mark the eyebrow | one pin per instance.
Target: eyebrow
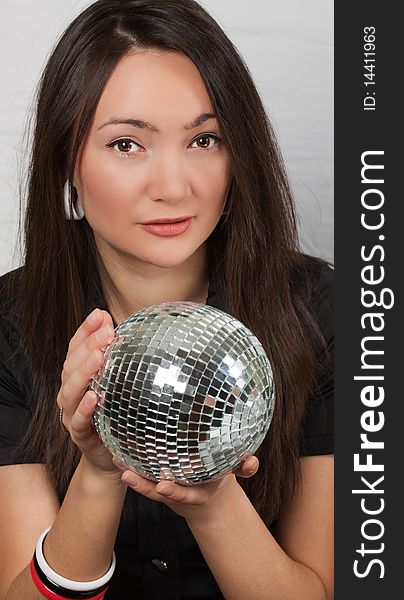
(140, 124)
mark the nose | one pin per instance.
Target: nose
(169, 179)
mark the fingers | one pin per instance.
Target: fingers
(81, 348)
(81, 421)
(138, 483)
(75, 385)
(248, 467)
(195, 496)
(163, 490)
(83, 360)
(85, 351)
(95, 320)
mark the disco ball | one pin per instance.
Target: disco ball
(185, 393)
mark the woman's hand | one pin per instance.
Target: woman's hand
(194, 503)
(84, 357)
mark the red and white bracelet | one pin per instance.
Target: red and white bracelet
(55, 587)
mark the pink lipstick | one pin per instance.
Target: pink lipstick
(168, 227)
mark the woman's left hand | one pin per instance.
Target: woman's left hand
(191, 502)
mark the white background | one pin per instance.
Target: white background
(288, 47)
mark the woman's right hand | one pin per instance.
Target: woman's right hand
(84, 357)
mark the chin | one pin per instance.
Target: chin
(167, 261)
(162, 256)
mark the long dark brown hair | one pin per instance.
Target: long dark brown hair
(268, 280)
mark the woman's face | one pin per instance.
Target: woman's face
(166, 161)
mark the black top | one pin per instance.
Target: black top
(157, 556)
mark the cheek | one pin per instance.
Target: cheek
(211, 172)
(213, 185)
(105, 188)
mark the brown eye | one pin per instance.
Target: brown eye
(203, 141)
(123, 145)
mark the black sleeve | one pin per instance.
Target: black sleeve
(14, 413)
(318, 424)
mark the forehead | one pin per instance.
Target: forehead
(161, 87)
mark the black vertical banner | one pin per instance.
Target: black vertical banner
(369, 163)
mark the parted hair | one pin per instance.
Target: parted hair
(268, 280)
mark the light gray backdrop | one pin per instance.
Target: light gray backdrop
(288, 47)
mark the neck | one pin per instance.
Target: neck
(130, 286)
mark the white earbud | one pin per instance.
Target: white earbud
(76, 211)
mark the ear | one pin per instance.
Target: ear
(76, 179)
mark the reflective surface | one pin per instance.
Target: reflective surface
(185, 393)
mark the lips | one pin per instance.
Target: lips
(167, 220)
(168, 228)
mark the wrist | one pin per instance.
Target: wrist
(54, 586)
(88, 519)
(97, 479)
(219, 507)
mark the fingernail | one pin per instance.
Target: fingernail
(90, 398)
(168, 492)
(104, 333)
(131, 479)
(93, 360)
(93, 316)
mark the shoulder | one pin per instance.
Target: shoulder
(318, 298)
(322, 300)
(15, 378)
(11, 356)
(323, 289)
(10, 297)
(10, 293)
(314, 288)
(315, 278)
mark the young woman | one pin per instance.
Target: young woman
(147, 113)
